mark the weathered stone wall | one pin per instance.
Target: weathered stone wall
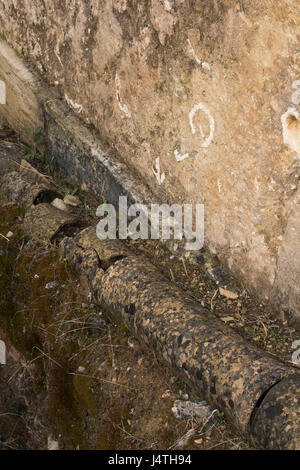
(201, 98)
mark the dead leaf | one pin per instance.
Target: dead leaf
(226, 319)
(228, 293)
(198, 441)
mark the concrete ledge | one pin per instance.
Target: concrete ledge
(80, 156)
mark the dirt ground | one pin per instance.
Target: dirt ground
(74, 378)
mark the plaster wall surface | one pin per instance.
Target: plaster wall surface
(201, 98)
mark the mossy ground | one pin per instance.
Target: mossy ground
(98, 393)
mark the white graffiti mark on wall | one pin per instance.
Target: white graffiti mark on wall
(56, 52)
(123, 107)
(156, 171)
(291, 129)
(192, 51)
(296, 95)
(180, 157)
(207, 140)
(291, 121)
(2, 92)
(204, 65)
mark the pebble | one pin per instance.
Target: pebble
(52, 444)
(202, 410)
(183, 395)
(59, 204)
(51, 285)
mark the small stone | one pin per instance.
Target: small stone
(52, 444)
(200, 410)
(183, 395)
(228, 294)
(59, 204)
(175, 412)
(51, 285)
(9, 234)
(71, 200)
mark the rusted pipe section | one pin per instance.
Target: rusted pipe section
(258, 393)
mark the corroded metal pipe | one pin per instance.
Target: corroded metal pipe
(228, 372)
(258, 393)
